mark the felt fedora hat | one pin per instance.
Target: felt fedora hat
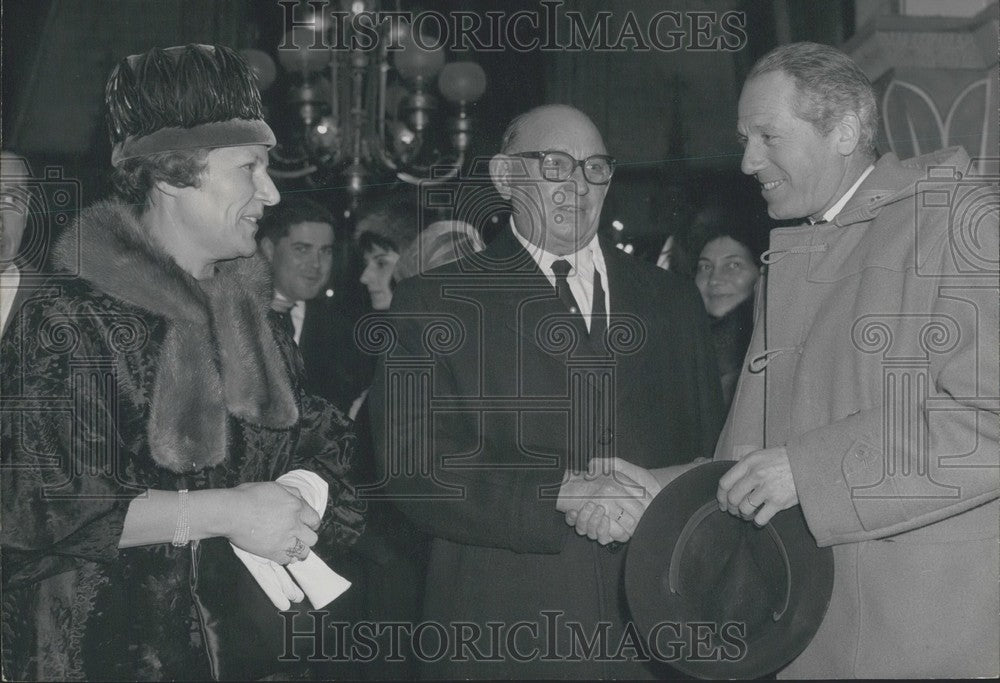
(716, 596)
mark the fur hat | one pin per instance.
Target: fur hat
(184, 97)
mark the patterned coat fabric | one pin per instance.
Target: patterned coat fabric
(83, 388)
(875, 364)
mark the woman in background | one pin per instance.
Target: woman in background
(382, 235)
(394, 248)
(726, 274)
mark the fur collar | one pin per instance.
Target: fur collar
(218, 356)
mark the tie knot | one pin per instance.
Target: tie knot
(561, 268)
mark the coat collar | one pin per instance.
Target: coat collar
(833, 248)
(894, 180)
(218, 356)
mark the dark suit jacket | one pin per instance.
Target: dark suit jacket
(481, 405)
(335, 368)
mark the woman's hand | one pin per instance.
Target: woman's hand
(272, 521)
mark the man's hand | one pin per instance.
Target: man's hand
(616, 500)
(653, 481)
(600, 520)
(758, 486)
(629, 474)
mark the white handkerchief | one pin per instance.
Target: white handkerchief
(320, 583)
(313, 488)
(272, 577)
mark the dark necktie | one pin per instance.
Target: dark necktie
(598, 313)
(561, 268)
(598, 322)
(286, 322)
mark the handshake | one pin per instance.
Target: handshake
(606, 502)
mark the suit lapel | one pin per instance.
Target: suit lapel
(536, 299)
(309, 321)
(539, 306)
(622, 288)
(629, 306)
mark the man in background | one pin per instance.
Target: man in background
(297, 238)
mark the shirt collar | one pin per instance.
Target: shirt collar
(583, 262)
(832, 212)
(10, 279)
(283, 304)
(11, 272)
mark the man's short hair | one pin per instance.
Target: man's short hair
(829, 83)
(277, 219)
(512, 131)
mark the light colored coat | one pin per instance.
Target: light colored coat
(874, 361)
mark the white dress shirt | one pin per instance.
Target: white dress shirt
(832, 212)
(297, 310)
(10, 278)
(581, 275)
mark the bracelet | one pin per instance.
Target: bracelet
(182, 532)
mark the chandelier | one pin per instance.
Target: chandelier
(363, 102)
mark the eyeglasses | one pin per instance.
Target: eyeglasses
(557, 167)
